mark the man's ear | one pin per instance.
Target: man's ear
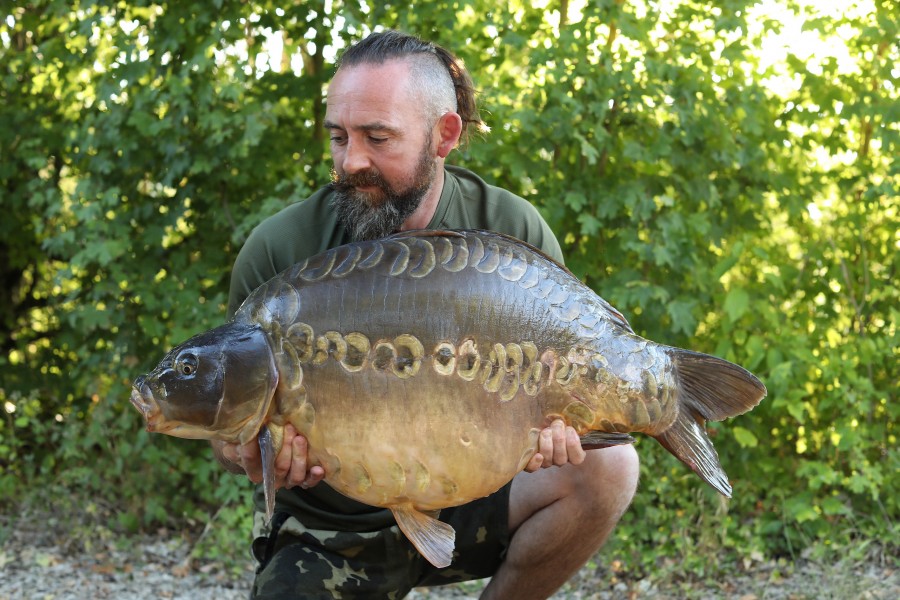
(449, 128)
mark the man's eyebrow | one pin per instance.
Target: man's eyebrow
(367, 127)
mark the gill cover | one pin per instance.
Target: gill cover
(218, 384)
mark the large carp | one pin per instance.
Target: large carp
(422, 367)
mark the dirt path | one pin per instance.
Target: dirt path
(157, 567)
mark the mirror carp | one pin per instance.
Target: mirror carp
(422, 367)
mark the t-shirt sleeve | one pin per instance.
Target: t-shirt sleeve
(253, 267)
(295, 233)
(480, 205)
(517, 217)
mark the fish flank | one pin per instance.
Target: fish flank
(476, 253)
(458, 258)
(505, 369)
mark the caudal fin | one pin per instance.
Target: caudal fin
(710, 389)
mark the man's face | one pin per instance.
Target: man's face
(384, 159)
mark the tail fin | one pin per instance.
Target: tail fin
(710, 389)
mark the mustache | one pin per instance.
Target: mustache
(346, 182)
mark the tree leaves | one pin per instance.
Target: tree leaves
(744, 437)
(737, 301)
(725, 198)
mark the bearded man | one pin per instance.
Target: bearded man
(397, 106)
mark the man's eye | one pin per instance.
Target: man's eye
(377, 140)
(336, 139)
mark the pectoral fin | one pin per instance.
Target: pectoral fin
(604, 439)
(267, 453)
(432, 538)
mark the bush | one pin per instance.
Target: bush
(724, 200)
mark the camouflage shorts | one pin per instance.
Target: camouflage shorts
(307, 563)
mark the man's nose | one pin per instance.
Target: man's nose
(356, 158)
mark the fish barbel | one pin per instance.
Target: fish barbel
(422, 367)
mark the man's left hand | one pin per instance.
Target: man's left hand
(557, 445)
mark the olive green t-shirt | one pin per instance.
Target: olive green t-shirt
(309, 227)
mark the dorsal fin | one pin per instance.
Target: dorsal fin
(432, 538)
(425, 233)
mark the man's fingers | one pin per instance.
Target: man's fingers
(290, 462)
(560, 451)
(316, 474)
(536, 462)
(297, 473)
(574, 450)
(284, 460)
(545, 447)
(558, 445)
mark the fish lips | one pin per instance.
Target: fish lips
(143, 400)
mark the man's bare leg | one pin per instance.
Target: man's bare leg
(559, 518)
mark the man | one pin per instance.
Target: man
(396, 108)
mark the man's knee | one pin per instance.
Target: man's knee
(612, 476)
(621, 464)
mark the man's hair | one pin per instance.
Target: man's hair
(437, 76)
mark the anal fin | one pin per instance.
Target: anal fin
(433, 539)
(604, 439)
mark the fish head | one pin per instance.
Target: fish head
(217, 385)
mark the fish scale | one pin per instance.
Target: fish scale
(422, 367)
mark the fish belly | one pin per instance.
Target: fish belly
(436, 442)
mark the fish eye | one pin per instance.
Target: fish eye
(186, 365)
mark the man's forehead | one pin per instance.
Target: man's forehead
(375, 86)
(398, 69)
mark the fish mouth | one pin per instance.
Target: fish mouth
(143, 400)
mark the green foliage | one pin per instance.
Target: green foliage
(225, 531)
(727, 194)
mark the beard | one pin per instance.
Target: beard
(378, 214)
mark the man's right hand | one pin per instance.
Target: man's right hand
(290, 465)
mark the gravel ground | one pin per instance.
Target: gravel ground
(142, 568)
